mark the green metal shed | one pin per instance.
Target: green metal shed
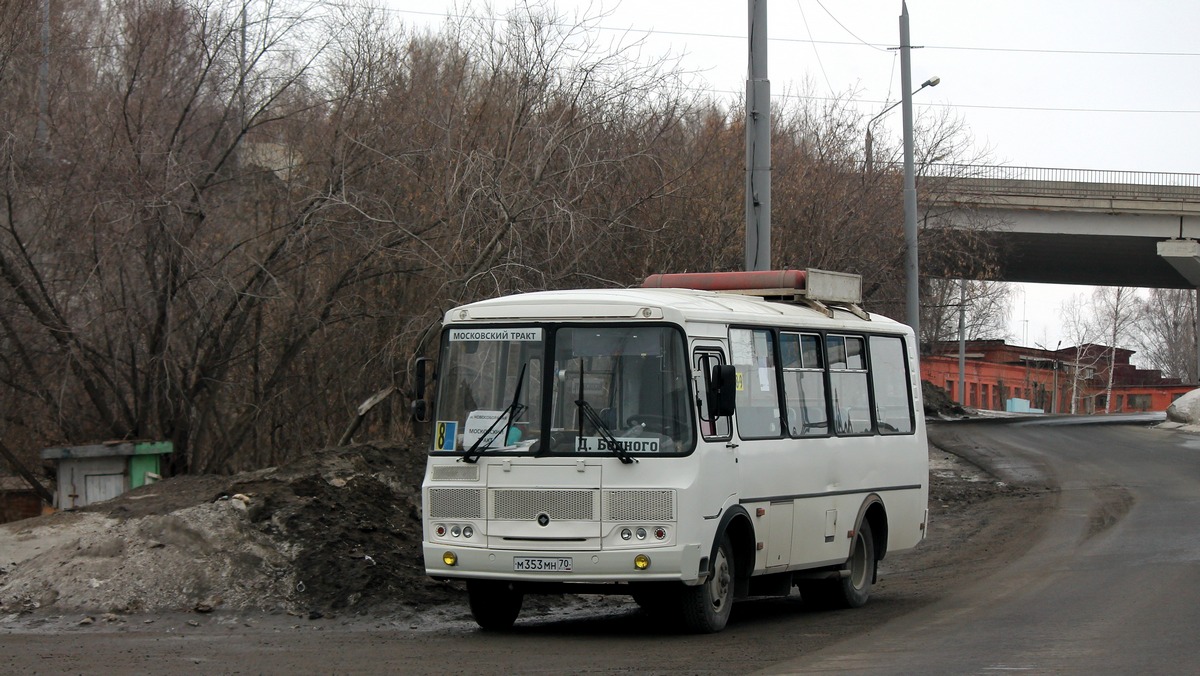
(96, 472)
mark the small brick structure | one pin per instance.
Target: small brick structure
(18, 500)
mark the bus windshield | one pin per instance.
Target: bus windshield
(613, 390)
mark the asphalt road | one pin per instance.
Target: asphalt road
(1092, 569)
(1111, 583)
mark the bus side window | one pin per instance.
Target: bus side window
(889, 378)
(752, 351)
(848, 384)
(714, 428)
(804, 384)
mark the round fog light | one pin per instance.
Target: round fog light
(450, 558)
(626, 534)
(641, 562)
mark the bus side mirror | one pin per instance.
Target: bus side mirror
(420, 407)
(722, 391)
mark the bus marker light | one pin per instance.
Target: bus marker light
(440, 530)
(641, 562)
(450, 558)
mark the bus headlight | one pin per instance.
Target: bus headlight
(626, 534)
(641, 562)
(450, 558)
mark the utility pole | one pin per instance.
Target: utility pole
(42, 134)
(758, 144)
(911, 277)
(962, 341)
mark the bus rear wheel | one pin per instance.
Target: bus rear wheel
(494, 605)
(705, 608)
(853, 587)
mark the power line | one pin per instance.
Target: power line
(1046, 109)
(816, 53)
(858, 43)
(843, 26)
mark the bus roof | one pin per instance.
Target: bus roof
(662, 304)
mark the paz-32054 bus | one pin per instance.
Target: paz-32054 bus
(701, 439)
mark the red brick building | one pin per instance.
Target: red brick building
(1003, 377)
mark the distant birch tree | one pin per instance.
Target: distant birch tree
(1080, 330)
(1116, 308)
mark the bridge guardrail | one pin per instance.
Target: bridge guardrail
(1058, 182)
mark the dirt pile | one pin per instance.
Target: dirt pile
(938, 402)
(338, 531)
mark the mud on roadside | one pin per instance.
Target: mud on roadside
(334, 535)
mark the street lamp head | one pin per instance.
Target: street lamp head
(932, 82)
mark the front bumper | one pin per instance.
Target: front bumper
(679, 564)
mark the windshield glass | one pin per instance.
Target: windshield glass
(605, 386)
(480, 404)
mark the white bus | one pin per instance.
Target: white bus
(734, 436)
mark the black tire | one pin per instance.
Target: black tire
(705, 609)
(494, 605)
(657, 600)
(856, 587)
(853, 589)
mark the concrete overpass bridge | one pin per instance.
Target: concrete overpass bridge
(1077, 226)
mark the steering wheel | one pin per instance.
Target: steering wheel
(652, 422)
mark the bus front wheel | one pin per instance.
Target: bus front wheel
(706, 607)
(494, 605)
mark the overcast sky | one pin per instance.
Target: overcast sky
(1079, 84)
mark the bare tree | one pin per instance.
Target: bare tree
(1165, 332)
(985, 307)
(252, 216)
(1116, 310)
(134, 287)
(1081, 331)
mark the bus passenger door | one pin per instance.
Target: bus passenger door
(717, 481)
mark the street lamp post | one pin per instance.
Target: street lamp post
(870, 141)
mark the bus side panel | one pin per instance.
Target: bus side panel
(825, 481)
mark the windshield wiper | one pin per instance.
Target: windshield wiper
(511, 411)
(602, 429)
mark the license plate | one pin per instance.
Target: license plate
(539, 564)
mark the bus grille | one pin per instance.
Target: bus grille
(567, 505)
(455, 473)
(455, 503)
(639, 505)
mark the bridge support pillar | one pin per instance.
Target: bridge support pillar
(1184, 256)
